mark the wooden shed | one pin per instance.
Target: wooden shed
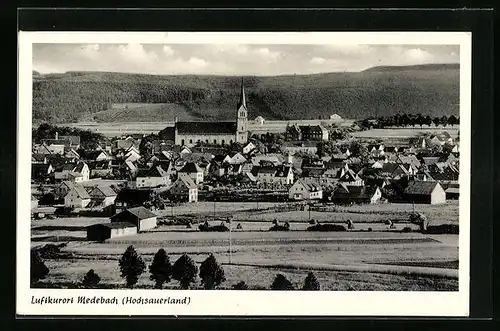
(101, 232)
(141, 217)
(424, 192)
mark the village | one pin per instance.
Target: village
(222, 175)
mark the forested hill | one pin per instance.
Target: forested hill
(424, 89)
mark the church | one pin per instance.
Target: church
(190, 133)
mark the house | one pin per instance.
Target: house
(132, 197)
(132, 155)
(101, 232)
(38, 158)
(409, 159)
(259, 120)
(305, 190)
(307, 147)
(452, 191)
(347, 194)
(284, 175)
(313, 133)
(395, 170)
(142, 218)
(349, 177)
(71, 155)
(77, 197)
(185, 188)
(74, 141)
(274, 158)
(192, 170)
(126, 143)
(102, 196)
(79, 171)
(335, 117)
(424, 192)
(264, 174)
(95, 155)
(153, 177)
(293, 133)
(250, 146)
(237, 158)
(41, 171)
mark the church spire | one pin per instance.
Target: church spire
(242, 101)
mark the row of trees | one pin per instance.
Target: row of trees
(403, 120)
(88, 139)
(162, 271)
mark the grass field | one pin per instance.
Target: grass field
(145, 113)
(388, 259)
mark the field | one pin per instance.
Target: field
(382, 259)
(159, 112)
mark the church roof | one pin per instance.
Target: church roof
(242, 101)
(206, 127)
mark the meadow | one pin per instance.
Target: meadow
(399, 133)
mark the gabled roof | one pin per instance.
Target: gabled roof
(187, 181)
(266, 170)
(107, 191)
(206, 127)
(313, 172)
(81, 191)
(113, 225)
(429, 160)
(191, 167)
(310, 185)
(354, 192)
(420, 187)
(139, 212)
(79, 166)
(154, 171)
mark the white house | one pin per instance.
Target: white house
(73, 171)
(192, 170)
(250, 146)
(141, 217)
(305, 190)
(102, 196)
(132, 155)
(77, 197)
(237, 159)
(153, 177)
(259, 120)
(184, 187)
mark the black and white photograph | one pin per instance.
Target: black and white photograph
(277, 164)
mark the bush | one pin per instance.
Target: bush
(406, 229)
(442, 229)
(277, 227)
(241, 286)
(311, 283)
(370, 229)
(160, 269)
(327, 227)
(184, 270)
(91, 279)
(131, 266)
(211, 273)
(38, 269)
(280, 283)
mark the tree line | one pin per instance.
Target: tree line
(88, 139)
(162, 271)
(404, 120)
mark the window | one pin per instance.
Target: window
(190, 141)
(231, 141)
(223, 141)
(206, 141)
(182, 142)
(215, 141)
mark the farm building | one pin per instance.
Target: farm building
(305, 190)
(424, 192)
(101, 232)
(77, 197)
(141, 217)
(345, 194)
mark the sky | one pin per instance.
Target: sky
(233, 59)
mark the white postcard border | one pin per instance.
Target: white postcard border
(327, 303)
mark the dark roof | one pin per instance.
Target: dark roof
(64, 142)
(187, 181)
(420, 187)
(191, 167)
(354, 192)
(267, 170)
(113, 225)
(79, 166)
(310, 185)
(106, 190)
(38, 156)
(155, 171)
(313, 172)
(139, 212)
(92, 155)
(282, 171)
(206, 127)
(135, 196)
(306, 129)
(428, 160)
(81, 191)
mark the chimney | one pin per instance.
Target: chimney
(176, 119)
(57, 136)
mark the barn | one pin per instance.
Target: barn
(101, 232)
(424, 192)
(141, 217)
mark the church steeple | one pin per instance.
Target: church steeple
(242, 101)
